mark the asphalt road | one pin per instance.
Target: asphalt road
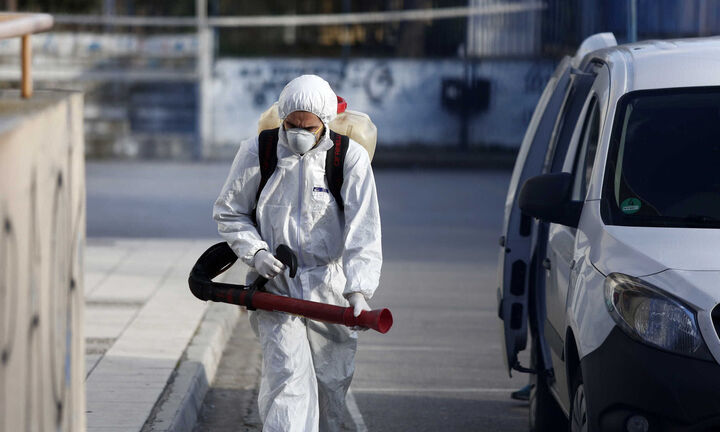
(440, 367)
(150, 199)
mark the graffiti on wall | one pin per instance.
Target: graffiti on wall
(59, 290)
(41, 240)
(402, 97)
(8, 301)
(264, 84)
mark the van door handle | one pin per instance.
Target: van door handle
(546, 263)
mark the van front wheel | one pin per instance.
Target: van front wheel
(578, 408)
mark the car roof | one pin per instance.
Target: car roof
(659, 64)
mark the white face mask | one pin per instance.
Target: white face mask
(300, 140)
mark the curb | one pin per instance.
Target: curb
(178, 407)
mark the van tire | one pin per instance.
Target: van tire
(545, 414)
(578, 405)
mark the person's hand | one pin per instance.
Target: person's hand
(267, 265)
(358, 303)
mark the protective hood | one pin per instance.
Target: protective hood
(308, 93)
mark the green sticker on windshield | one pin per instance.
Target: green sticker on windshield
(630, 206)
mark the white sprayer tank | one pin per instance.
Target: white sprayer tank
(353, 124)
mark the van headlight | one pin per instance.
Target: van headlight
(654, 317)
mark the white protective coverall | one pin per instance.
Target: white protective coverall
(307, 365)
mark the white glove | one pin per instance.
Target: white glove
(267, 265)
(358, 303)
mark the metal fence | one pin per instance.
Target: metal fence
(509, 34)
(565, 23)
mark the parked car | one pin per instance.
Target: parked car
(610, 255)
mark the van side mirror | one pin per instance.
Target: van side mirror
(547, 197)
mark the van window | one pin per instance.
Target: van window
(565, 124)
(663, 162)
(586, 154)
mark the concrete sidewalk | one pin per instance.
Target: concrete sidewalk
(140, 317)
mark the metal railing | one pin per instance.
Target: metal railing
(306, 19)
(23, 26)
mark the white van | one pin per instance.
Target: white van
(610, 255)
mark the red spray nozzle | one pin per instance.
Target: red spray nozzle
(378, 319)
(342, 105)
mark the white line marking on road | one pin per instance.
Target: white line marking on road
(433, 390)
(355, 412)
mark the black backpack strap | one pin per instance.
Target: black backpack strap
(267, 156)
(334, 165)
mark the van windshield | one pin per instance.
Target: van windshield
(664, 162)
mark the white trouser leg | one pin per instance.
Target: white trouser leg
(333, 350)
(288, 399)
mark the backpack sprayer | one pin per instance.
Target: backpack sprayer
(220, 257)
(354, 124)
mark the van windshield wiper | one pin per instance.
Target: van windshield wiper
(689, 221)
(701, 219)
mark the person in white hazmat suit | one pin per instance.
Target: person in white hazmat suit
(307, 365)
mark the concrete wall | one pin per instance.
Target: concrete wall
(42, 237)
(404, 98)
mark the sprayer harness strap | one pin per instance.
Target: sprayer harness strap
(334, 163)
(267, 154)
